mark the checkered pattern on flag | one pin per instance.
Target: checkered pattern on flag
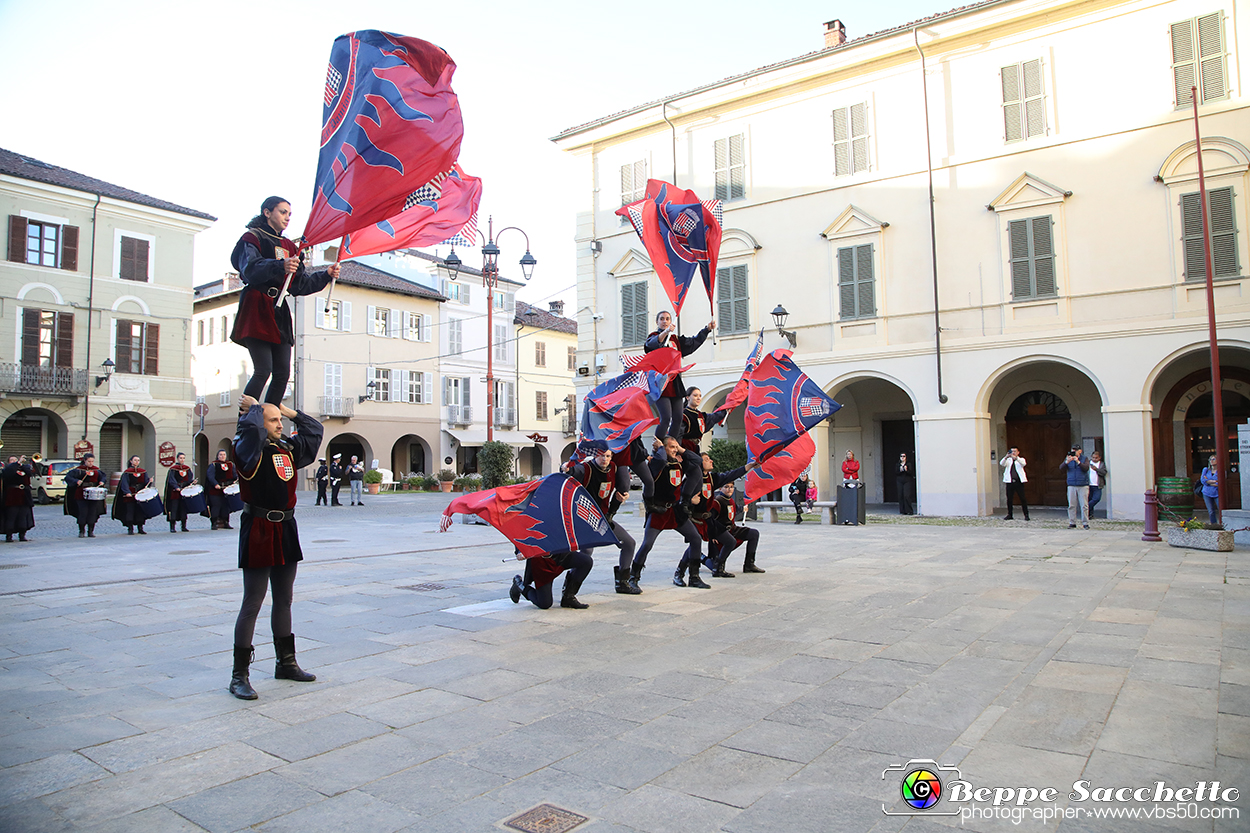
(588, 512)
(334, 79)
(467, 236)
(621, 409)
(682, 235)
(435, 211)
(542, 517)
(783, 404)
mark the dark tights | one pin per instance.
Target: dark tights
(578, 566)
(671, 409)
(687, 530)
(255, 580)
(268, 359)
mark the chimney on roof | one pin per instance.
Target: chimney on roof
(556, 308)
(835, 34)
(232, 281)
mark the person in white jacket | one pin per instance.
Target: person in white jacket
(1015, 478)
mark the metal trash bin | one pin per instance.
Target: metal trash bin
(851, 500)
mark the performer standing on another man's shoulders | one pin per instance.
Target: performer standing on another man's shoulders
(269, 548)
(671, 405)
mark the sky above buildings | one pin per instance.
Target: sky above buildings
(215, 106)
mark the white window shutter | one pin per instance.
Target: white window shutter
(371, 317)
(446, 390)
(464, 293)
(466, 388)
(399, 386)
(427, 389)
(403, 327)
(425, 328)
(509, 302)
(396, 324)
(321, 314)
(345, 316)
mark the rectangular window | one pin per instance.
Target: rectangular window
(328, 319)
(540, 405)
(731, 168)
(225, 329)
(540, 354)
(733, 301)
(415, 387)
(1032, 258)
(451, 390)
(499, 300)
(412, 327)
(382, 384)
(1024, 102)
(223, 399)
(458, 292)
(1223, 234)
(850, 140)
(47, 338)
(43, 243)
(634, 323)
(501, 342)
(380, 322)
(334, 380)
(633, 183)
(210, 332)
(134, 259)
(855, 282)
(199, 336)
(455, 329)
(572, 358)
(137, 348)
(1199, 60)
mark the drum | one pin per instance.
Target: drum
(94, 493)
(233, 499)
(194, 500)
(148, 502)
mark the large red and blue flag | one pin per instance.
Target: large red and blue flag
(739, 393)
(621, 409)
(783, 404)
(681, 234)
(436, 211)
(390, 125)
(542, 517)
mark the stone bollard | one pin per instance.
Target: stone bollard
(1151, 532)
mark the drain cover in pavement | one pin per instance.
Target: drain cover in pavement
(187, 552)
(421, 587)
(11, 566)
(545, 818)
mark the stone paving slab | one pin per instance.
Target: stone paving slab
(1025, 655)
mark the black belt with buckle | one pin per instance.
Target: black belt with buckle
(272, 292)
(272, 515)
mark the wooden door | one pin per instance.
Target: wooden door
(1043, 444)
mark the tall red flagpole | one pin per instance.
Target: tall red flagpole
(1217, 397)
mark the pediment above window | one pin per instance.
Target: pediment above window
(853, 222)
(1028, 191)
(633, 263)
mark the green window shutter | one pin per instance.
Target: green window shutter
(1184, 68)
(841, 141)
(724, 299)
(859, 137)
(846, 283)
(737, 168)
(641, 319)
(1013, 104)
(1034, 100)
(741, 299)
(627, 314)
(865, 300)
(1043, 256)
(1223, 233)
(1211, 72)
(1191, 236)
(1021, 279)
(721, 164)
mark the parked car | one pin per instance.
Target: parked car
(635, 482)
(51, 479)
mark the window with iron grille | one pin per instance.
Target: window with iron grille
(634, 323)
(1032, 248)
(850, 139)
(1199, 60)
(1024, 101)
(856, 282)
(1223, 234)
(731, 167)
(733, 299)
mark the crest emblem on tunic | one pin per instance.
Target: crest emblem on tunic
(283, 466)
(730, 509)
(707, 489)
(605, 489)
(674, 476)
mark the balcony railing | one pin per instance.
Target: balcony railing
(569, 423)
(459, 414)
(45, 381)
(337, 406)
(505, 417)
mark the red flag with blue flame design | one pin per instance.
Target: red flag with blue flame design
(682, 235)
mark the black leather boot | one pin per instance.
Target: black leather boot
(184, 526)
(749, 567)
(569, 600)
(695, 580)
(621, 574)
(635, 575)
(285, 667)
(171, 527)
(679, 576)
(240, 686)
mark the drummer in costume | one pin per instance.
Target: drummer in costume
(86, 510)
(671, 404)
(677, 484)
(19, 501)
(221, 473)
(269, 548)
(177, 478)
(323, 480)
(695, 423)
(264, 260)
(726, 520)
(704, 514)
(599, 475)
(125, 509)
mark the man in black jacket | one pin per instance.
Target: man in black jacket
(336, 478)
(323, 480)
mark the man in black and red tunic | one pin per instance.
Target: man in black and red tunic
(672, 401)
(269, 548)
(85, 511)
(705, 514)
(724, 524)
(177, 478)
(676, 476)
(221, 473)
(696, 423)
(599, 475)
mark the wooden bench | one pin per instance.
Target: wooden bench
(770, 507)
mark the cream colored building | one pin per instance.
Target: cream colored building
(379, 331)
(1067, 290)
(95, 307)
(546, 348)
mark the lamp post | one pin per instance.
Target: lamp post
(108, 366)
(368, 397)
(490, 279)
(779, 318)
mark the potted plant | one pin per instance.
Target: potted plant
(373, 481)
(446, 477)
(430, 483)
(415, 483)
(1192, 534)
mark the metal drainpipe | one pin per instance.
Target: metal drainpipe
(86, 400)
(673, 129)
(937, 318)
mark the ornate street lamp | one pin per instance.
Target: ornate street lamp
(779, 318)
(368, 397)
